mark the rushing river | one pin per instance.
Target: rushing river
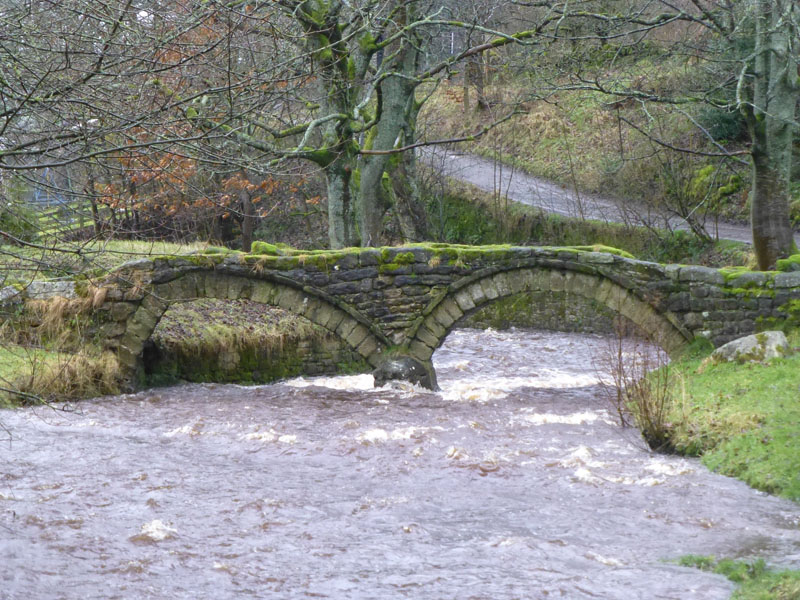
(512, 482)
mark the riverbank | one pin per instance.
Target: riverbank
(755, 580)
(742, 420)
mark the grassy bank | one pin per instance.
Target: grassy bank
(43, 354)
(743, 420)
(754, 579)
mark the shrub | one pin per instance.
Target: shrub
(640, 390)
(16, 221)
(723, 125)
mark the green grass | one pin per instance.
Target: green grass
(743, 420)
(34, 374)
(754, 579)
(46, 372)
(16, 360)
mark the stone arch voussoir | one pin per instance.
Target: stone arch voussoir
(465, 299)
(349, 327)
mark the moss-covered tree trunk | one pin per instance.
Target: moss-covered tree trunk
(395, 95)
(341, 219)
(770, 115)
(340, 71)
(405, 183)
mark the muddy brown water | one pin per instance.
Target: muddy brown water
(512, 482)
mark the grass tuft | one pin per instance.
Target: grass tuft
(754, 579)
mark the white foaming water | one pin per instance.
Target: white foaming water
(156, 531)
(261, 436)
(580, 456)
(193, 429)
(673, 468)
(580, 418)
(372, 436)
(472, 392)
(364, 382)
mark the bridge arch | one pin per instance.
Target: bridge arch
(341, 320)
(469, 295)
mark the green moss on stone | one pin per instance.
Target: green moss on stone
(595, 248)
(404, 258)
(217, 250)
(789, 264)
(389, 268)
(750, 292)
(319, 261)
(206, 260)
(731, 273)
(265, 248)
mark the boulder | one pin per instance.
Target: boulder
(405, 368)
(753, 348)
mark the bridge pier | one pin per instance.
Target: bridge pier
(402, 367)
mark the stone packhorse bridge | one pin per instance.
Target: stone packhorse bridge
(396, 305)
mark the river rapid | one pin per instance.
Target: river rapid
(512, 482)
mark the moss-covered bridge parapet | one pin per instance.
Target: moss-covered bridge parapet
(405, 300)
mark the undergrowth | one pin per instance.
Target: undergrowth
(463, 214)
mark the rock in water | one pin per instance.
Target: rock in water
(753, 348)
(405, 368)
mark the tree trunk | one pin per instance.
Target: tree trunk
(248, 221)
(91, 193)
(769, 203)
(406, 193)
(395, 95)
(341, 232)
(770, 117)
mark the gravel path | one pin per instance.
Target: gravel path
(550, 197)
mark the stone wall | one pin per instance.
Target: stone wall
(551, 311)
(320, 354)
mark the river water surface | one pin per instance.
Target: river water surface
(512, 482)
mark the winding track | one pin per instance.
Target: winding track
(550, 197)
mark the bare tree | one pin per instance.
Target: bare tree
(747, 53)
(235, 85)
